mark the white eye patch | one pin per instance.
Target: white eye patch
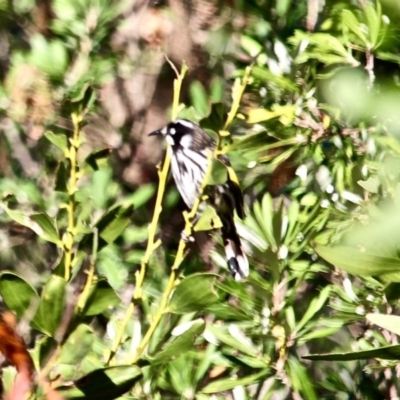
(170, 140)
(183, 122)
(172, 131)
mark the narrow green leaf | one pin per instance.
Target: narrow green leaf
(374, 20)
(222, 385)
(52, 306)
(101, 298)
(48, 226)
(194, 293)
(352, 23)
(18, 295)
(103, 384)
(182, 344)
(225, 337)
(388, 322)
(299, 378)
(315, 305)
(357, 262)
(386, 353)
(199, 97)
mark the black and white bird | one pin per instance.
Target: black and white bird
(190, 148)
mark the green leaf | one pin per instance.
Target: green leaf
(219, 173)
(386, 353)
(61, 184)
(208, 220)
(222, 385)
(114, 222)
(182, 344)
(103, 384)
(373, 15)
(299, 378)
(352, 23)
(388, 322)
(141, 195)
(48, 226)
(52, 306)
(110, 226)
(59, 140)
(194, 293)
(78, 344)
(257, 115)
(97, 158)
(315, 305)
(41, 224)
(101, 298)
(245, 347)
(359, 263)
(199, 97)
(215, 121)
(18, 295)
(371, 185)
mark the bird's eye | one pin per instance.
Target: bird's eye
(172, 131)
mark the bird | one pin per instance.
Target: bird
(190, 149)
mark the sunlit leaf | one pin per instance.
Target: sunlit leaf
(388, 322)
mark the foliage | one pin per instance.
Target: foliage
(109, 307)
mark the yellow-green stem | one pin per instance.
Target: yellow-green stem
(237, 97)
(72, 189)
(152, 245)
(172, 278)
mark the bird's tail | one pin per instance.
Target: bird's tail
(238, 263)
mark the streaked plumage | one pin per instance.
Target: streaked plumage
(190, 146)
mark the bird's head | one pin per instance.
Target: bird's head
(185, 134)
(179, 133)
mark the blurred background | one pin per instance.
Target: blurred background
(316, 148)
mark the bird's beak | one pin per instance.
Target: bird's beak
(155, 133)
